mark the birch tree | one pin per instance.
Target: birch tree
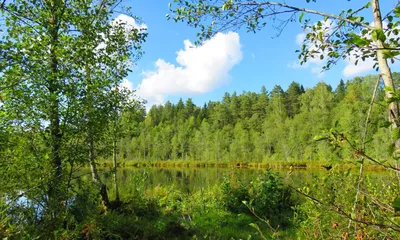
(59, 59)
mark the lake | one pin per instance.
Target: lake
(193, 179)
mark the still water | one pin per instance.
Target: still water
(194, 179)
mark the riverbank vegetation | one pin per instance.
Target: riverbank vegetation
(165, 212)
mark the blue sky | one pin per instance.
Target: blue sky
(234, 62)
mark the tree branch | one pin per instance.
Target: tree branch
(340, 211)
(310, 11)
(2, 4)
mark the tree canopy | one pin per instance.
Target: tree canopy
(251, 127)
(61, 62)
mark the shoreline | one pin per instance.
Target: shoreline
(302, 165)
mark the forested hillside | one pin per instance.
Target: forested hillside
(269, 125)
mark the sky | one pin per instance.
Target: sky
(173, 68)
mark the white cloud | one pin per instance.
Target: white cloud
(127, 25)
(129, 22)
(300, 38)
(199, 69)
(127, 84)
(363, 66)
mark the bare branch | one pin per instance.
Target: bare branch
(361, 172)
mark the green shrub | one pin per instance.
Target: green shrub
(267, 197)
(234, 193)
(272, 200)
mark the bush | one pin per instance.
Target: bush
(234, 193)
(272, 200)
(267, 196)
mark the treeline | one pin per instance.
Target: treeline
(276, 125)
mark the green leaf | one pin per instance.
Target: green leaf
(253, 225)
(336, 123)
(358, 40)
(390, 100)
(388, 89)
(368, 140)
(320, 138)
(390, 54)
(320, 36)
(378, 34)
(301, 17)
(391, 149)
(347, 172)
(385, 124)
(397, 11)
(396, 133)
(396, 204)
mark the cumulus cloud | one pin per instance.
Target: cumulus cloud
(128, 22)
(199, 69)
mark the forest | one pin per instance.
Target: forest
(82, 158)
(279, 125)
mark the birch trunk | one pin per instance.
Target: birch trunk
(393, 111)
(90, 141)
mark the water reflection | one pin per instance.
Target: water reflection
(193, 179)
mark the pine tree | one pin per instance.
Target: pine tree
(340, 91)
(292, 99)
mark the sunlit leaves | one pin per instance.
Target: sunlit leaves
(397, 11)
(378, 34)
(357, 40)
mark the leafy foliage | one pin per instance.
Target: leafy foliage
(61, 62)
(267, 197)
